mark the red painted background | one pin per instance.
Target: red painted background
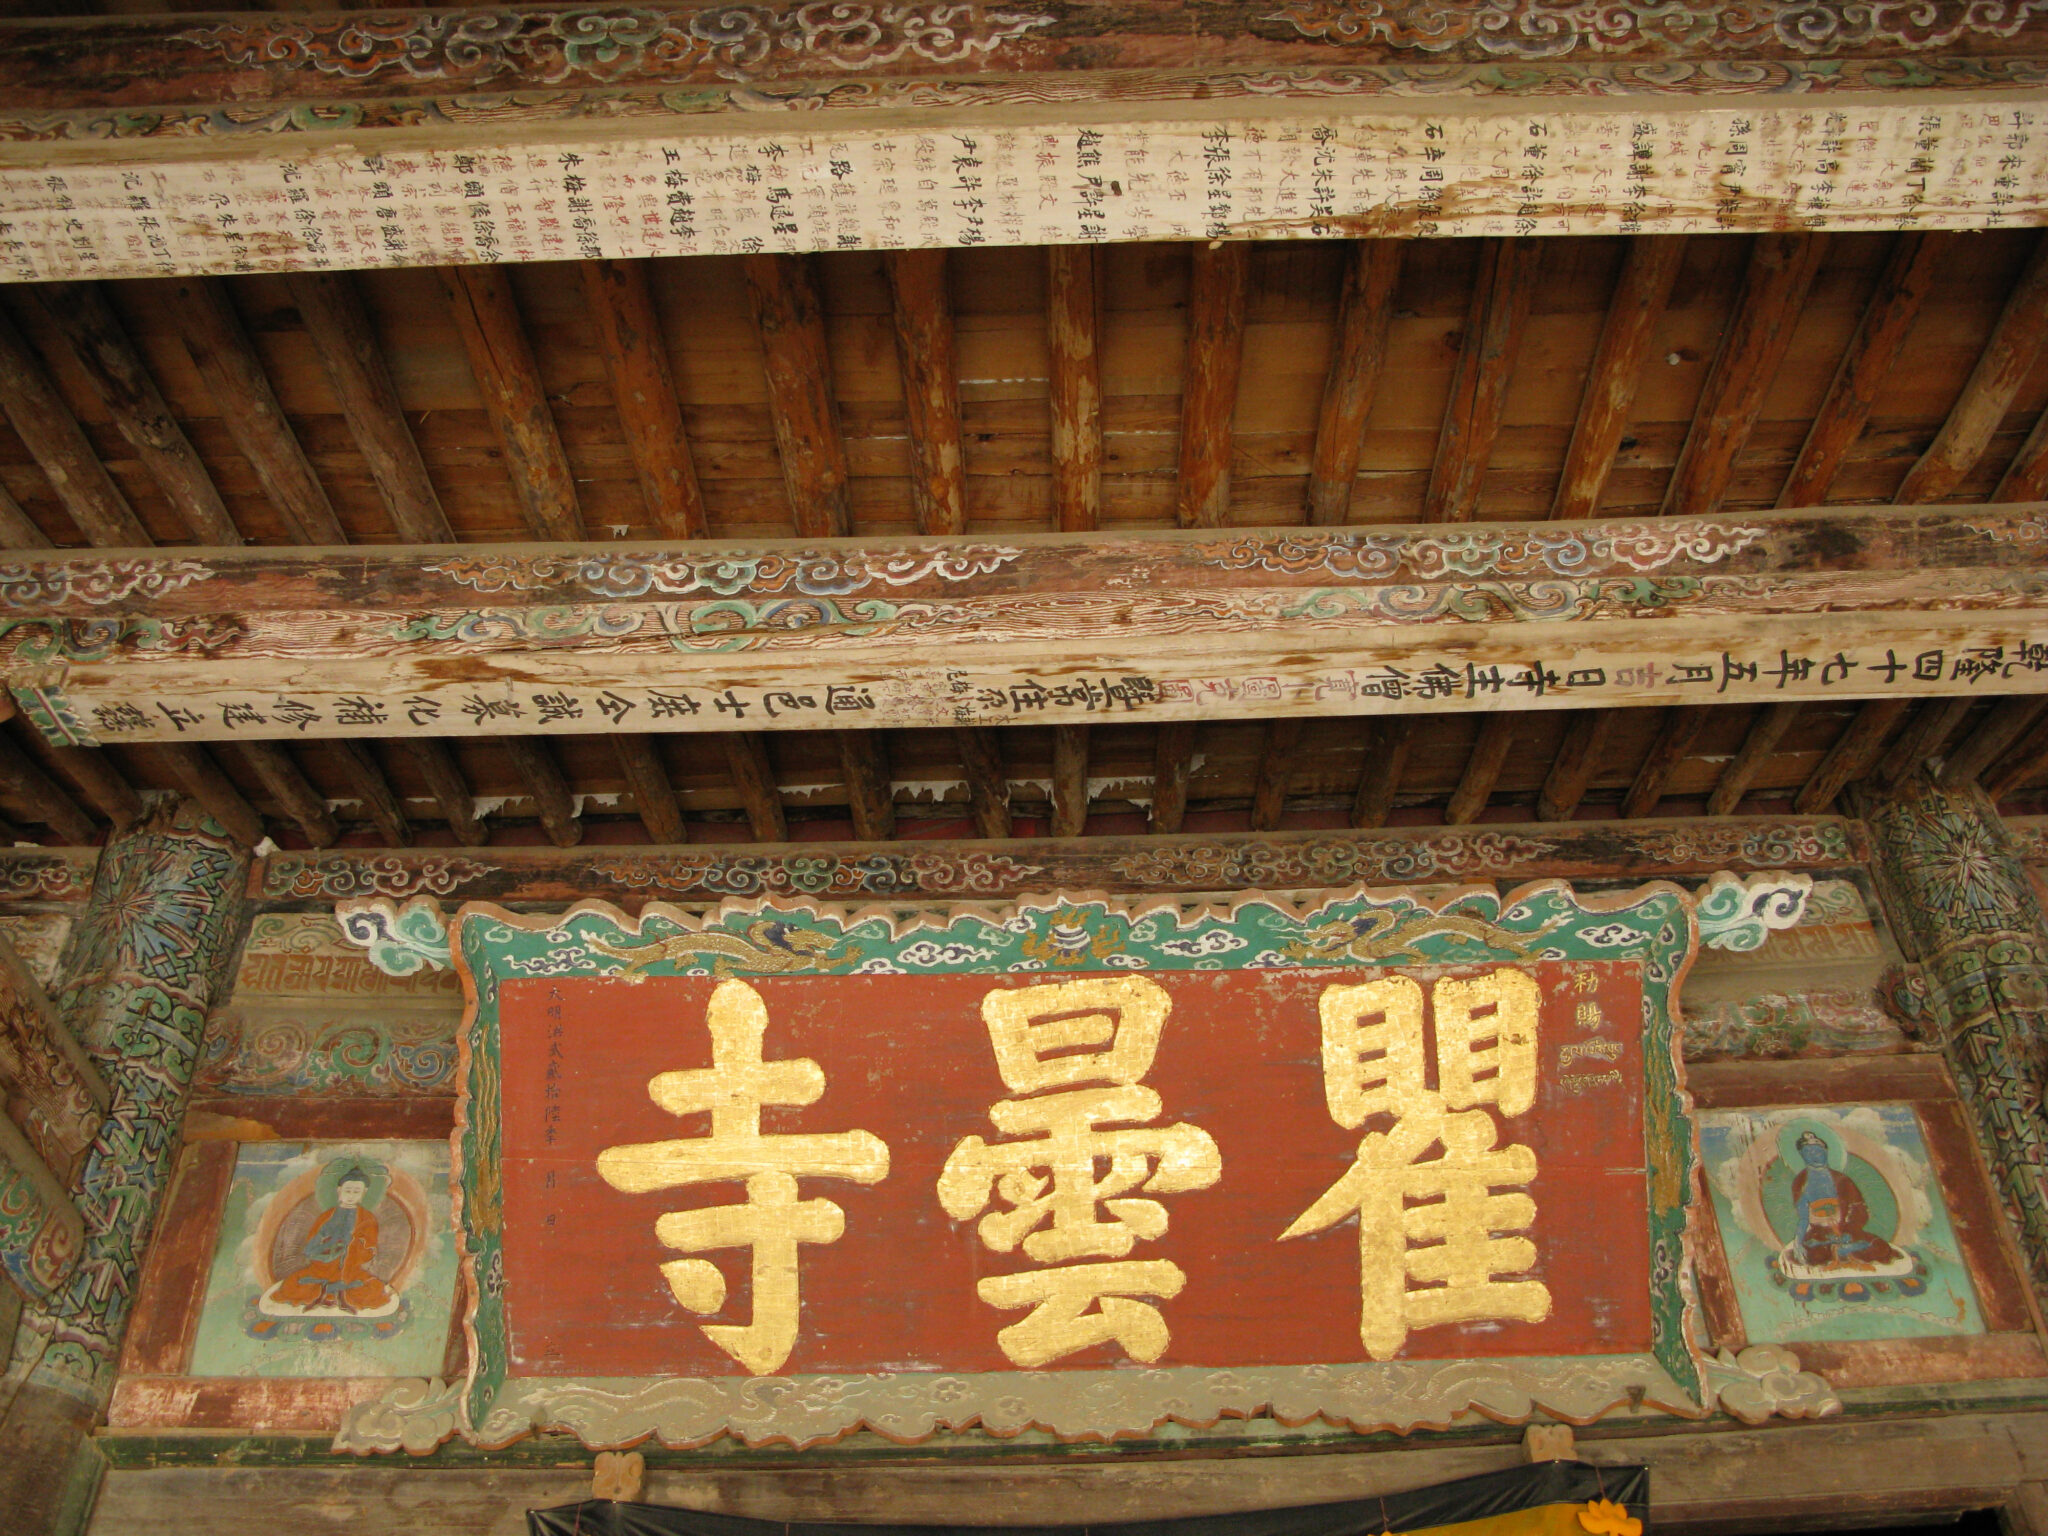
(908, 1059)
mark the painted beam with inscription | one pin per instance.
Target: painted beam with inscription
(228, 645)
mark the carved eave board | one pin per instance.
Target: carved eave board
(1078, 1163)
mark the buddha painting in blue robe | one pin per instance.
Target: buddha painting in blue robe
(1831, 1235)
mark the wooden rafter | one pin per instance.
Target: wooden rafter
(537, 770)
(335, 318)
(194, 771)
(1386, 758)
(636, 361)
(1673, 744)
(1765, 732)
(988, 783)
(80, 314)
(60, 449)
(800, 399)
(17, 529)
(1924, 737)
(220, 349)
(2026, 478)
(870, 793)
(2000, 729)
(746, 757)
(1852, 755)
(379, 801)
(42, 797)
(654, 796)
(1277, 763)
(451, 792)
(1069, 780)
(1365, 305)
(289, 787)
(1648, 269)
(1482, 768)
(1217, 279)
(104, 784)
(1774, 288)
(1173, 763)
(1579, 756)
(931, 389)
(1880, 337)
(1479, 383)
(502, 363)
(1073, 302)
(2024, 765)
(2008, 357)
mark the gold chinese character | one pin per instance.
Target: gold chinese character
(773, 1221)
(1090, 1031)
(1373, 1065)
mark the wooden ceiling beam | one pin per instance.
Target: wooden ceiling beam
(2023, 765)
(2026, 477)
(537, 770)
(104, 785)
(1774, 288)
(636, 361)
(654, 795)
(746, 757)
(507, 375)
(451, 792)
(1649, 267)
(1765, 732)
(59, 446)
(1483, 767)
(386, 812)
(91, 331)
(193, 770)
(220, 349)
(988, 782)
(800, 397)
(1365, 306)
(870, 792)
(17, 529)
(290, 788)
(1580, 755)
(1671, 746)
(1852, 755)
(2002, 726)
(1277, 762)
(1217, 279)
(1924, 737)
(1173, 764)
(931, 389)
(1494, 321)
(42, 797)
(338, 323)
(1880, 337)
(2001, 368)
(1386, 759)
(1073, 305)
(1069, 780)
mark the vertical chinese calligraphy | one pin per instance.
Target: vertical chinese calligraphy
(1436, 1219)
(1103, 1033)
(772, 1222)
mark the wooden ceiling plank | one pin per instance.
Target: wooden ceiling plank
(104, 785)
(501, 361)
(2024, 765)
(1765, 732)
(931, 389)
(1676, 733)
(451, 792)
(870, 793)
(1217, 282)
(59, 447)
(339, 324)
(96, 339)
(290, 788)
(746, 756)
(1753, 344)
(1073, 304)
(1387, 742)
(2001, 368)
(380, 802)
(988, 784)
(800, 397)
(1494, 322)
(1173, 763)
(192, 769)
(42, 797)
(2003, 725)
(1924, 737)
(1364, 308)
(1649, 267)
(1069, 780)
(1277, 763)
(17, 529)
(1880, 337)
(654, 796)
(1580, 755)
(1851, 755)
(534, 763)
(220, 349)
(1489, 756)
(637, 363)
(2026, 477)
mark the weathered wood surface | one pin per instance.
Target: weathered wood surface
(1364, 307)
(1851, 755)
(516, 641)
(1156, 862)
(1479, 385)
(1301, 169)
(1386, 758)
(643, 384)
(51, 433)
(931, 389)
(1490, 750)
(800, 395)
(1073, 303)
(1215, 359)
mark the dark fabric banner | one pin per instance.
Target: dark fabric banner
(1545, 1499)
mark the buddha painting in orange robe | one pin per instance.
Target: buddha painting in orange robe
(337, 1252)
